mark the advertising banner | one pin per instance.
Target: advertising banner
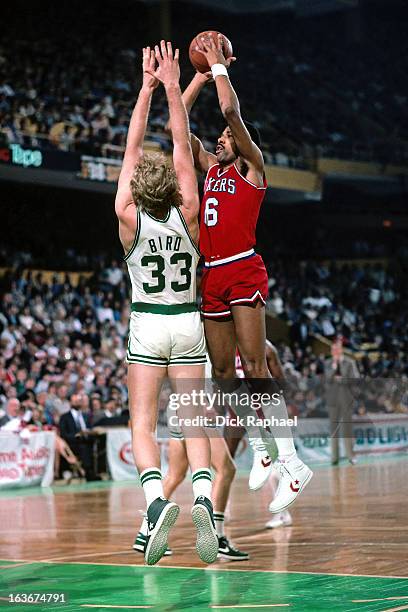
(120, 458)
(26, 458)
(379, 435)
(37, 157)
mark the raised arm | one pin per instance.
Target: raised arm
(202, 159)
(168, 73)
(229, 104)
(124, 205)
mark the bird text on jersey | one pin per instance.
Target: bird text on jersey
(164, 243)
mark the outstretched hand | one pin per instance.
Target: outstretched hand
(212, 50)
(168, 70)
(148, 65)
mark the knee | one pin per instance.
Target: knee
(175, 479)
(255, 367)
(143, 427)
(228, 470)
(223, 371)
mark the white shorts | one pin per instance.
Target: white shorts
(166, 340)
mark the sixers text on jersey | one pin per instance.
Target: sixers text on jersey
(229, 214)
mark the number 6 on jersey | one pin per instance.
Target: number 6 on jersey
(210, 212)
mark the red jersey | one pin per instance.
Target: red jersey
(228, 215)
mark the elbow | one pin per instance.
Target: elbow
(120, 209)
(230, 111)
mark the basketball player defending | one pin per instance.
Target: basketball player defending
(224, 468)
(157, 208)
(234, 285)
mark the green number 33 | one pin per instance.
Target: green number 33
(158, 272)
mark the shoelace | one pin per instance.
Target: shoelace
(227, 544)
(280, 467)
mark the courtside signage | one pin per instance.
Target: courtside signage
(50, 159)
(16, 155)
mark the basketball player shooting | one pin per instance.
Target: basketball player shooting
(157, 207)
(235, 282)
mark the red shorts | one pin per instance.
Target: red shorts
(240, 282)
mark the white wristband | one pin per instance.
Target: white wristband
(219, 70)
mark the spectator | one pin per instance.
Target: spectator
(61, 404)
(102, 417)
(12, 411)
(340, 372)
(74, 428)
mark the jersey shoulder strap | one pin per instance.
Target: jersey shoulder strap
(186, 230)
(210, 171)
(137, 235)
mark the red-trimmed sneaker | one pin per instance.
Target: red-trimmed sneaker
(261, 465)
(293, 477)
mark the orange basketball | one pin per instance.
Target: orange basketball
(198, 59)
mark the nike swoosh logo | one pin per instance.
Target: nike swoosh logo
(266, 463)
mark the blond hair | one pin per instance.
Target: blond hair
(154, 184)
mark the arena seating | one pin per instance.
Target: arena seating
(66, 333)
(313, 99)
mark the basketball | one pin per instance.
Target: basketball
(197, 58)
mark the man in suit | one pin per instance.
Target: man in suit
(75, 430)
(12, 411)
(340, 372)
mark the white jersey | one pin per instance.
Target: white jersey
(163, 260)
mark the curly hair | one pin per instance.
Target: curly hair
(154, 184)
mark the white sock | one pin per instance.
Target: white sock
(151, 480)
(219, 523)
(281, 433)
(202, 484)
(238, 400)
(257, 444)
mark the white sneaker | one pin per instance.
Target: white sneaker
(261, 466)
(293, 477)
(283, 519)
(67, 476)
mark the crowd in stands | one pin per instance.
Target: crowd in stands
(63, 340)
(367, 304)
(70, 83)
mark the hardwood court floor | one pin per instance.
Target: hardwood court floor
(347, 549)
